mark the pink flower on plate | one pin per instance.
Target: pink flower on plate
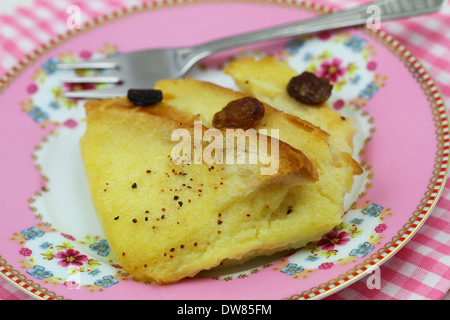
(68, 236)
(332, 239)
(25, 252)
(372, 65)
(331, 70)
(324, 35)
(72, 284)
(71, 257)
(380, 228)
(32, 88)
(70, 123)
(338, 104)
(85, 54)
(326, 265)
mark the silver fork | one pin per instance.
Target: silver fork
(143, 68)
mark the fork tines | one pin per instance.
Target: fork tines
(92, 94)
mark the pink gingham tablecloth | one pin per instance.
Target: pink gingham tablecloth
(419, 270)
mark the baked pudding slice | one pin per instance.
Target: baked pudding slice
(166, 220)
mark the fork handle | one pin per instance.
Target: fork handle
(388, 10)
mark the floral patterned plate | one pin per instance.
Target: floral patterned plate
(52, 244)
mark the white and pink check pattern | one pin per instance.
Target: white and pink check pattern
(421, 269)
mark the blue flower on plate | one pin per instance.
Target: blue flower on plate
(355, 79)
(32, 233)
(54, 105)
(356, 221)
(372, 210)
(307, 57)
(362, 250)
(291, 269)
(94, 272)
(37, 114)
(106, 281)
(369, 91)
(46, 245)
(50, 65)
(312, 258)
(295, 45)
(102, 247)
(356, 43)
(39, 272)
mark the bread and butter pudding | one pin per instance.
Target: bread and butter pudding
(166, 221)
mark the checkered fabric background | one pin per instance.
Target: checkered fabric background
(421, 269)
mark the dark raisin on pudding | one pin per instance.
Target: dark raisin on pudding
(144, 97)
(309, 89)
(243, 113)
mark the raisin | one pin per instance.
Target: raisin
(243, 113)
(144, 97)
(310, 89)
